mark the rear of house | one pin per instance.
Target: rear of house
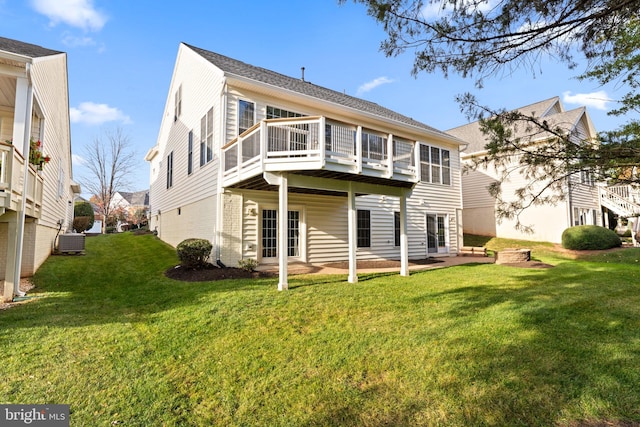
(36, 186)
(240, 144)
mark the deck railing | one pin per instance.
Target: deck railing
(12, 187)
(306, 143)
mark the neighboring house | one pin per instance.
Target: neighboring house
(135, 206)
(34, 112)
(239, 145)
(582, 201)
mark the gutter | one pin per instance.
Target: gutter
(219, 207)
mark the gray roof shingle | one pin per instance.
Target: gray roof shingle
(567, 120)
(235, 67)
(25, 49)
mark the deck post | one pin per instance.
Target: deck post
(283, 223)
(404, 240)
(10, 278)
(352, 224)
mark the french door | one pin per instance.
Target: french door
(437, 234)
(270, 234)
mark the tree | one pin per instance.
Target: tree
(483, 38)
(111, 162)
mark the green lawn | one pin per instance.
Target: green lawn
(470, 345)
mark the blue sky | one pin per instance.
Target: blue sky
(121, 55)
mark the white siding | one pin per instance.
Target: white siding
(201, 89)
(50, 90)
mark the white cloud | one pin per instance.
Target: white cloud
(72, 41)
(91, 113)
(435, 9)
(78, 160)
(597, 100)
(76, 13)
(373, 84)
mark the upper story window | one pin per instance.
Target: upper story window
(279, 113)
(246, 115)
(170, 170)
(190, 153)
(587, 177)
(206, 137)
(177, 108)
(435, 165)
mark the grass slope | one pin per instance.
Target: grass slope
(470, 345)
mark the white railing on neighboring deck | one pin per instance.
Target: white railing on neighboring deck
(621, 199)
(12, 187)
(306, 143)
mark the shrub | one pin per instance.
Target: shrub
(248, 264)
(83, 210)
(193, 253)
(81, 223)
(584, 237)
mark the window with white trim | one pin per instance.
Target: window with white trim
(279, 113)
(396, 228)
(246, 115)
(435, 165)
(177, 108)
(190, 153)
(170, 170)
(364, 229)
(206, 138)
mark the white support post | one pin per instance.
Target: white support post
(10, 278)
(283, 223)
(390, 156)
(264, 137)
(22, 132)
(352, 220)
(359, 150)
(404, 240)
(322, 141)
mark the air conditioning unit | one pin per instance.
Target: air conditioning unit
(71, 243)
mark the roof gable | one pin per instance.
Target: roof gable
(238, 68)
(552, 112)
(25, 49)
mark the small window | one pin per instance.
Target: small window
(396, 228)
(279, 113)
(364, 229)
(170, 170)
(190, 154)
(246, 115)
(177, 108)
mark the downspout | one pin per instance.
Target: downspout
(219, 207)
(26, 146)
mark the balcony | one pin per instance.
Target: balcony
(318, 146)
(12, 186)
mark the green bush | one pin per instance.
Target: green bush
(81, 223)
(83, 210)
(248, 264)
(193, 253)
(584, 237)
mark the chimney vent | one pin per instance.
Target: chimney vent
(302, 78)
